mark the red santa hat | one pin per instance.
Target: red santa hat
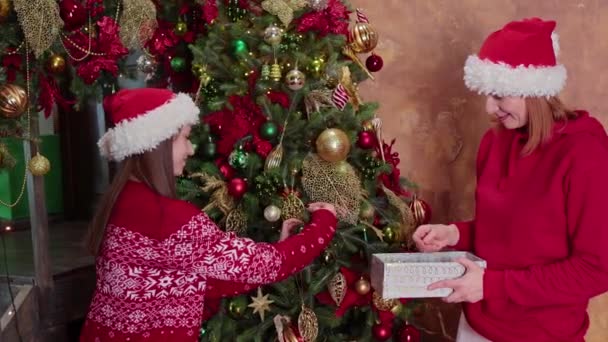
(144, 118)
(518, 60)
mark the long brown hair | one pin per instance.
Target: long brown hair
(153, 168)
(543, 113)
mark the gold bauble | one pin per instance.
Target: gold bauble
(333, 145)
(39, 165)
(308, 324)
(5, 9)
(390, 234)
(56, 64)
(180, 28)
(273, 35)
(13, 101)
(362, 286)
(363, 38)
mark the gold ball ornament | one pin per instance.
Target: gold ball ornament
(362, 286)
(333, 145)
(13, 101)
(39, 165)
(273, 35)
(363, 38)
(295, 79)
(275, 72)
(390, 234)
(180, 28)
(272, 213)
(56, 64)
(5, 9)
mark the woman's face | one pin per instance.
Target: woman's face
(510, 111)
(182, 149)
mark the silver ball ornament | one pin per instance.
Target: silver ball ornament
(295, 79)
(273, 35)
(272, 213)
(146, 64)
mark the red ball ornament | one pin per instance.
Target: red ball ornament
(227, 171)
(374, 63)
(73, 14)
(409, 333)
(366, 140)
(237, 187)
(381, 332)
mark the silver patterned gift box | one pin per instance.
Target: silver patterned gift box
(407, 275)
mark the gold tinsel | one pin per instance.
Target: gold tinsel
(237, 221)
(220, 198)
(384, 304)
(137, 22)
(337, 288)
(407, 223)
(317, 99)
(40, 23)
(292, 208)
(335, 183)
(308, 324)
(283, 8)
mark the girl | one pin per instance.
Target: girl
(540, 219)
(159, 257)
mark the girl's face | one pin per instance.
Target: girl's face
(182, 149)
(510, 111)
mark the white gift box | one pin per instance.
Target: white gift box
(407, 275)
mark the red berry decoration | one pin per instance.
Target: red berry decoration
(366, 140)
(237, 187)
(374, 63)
(226, 170)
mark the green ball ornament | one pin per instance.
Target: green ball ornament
(239, 159)
(178, 64)
(239, 47)
(237, 307)
(269, 130)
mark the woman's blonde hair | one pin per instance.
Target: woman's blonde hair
(543, 113)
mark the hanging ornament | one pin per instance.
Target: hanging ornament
(390, 234)
(260, 304)
(236, 221)
(239, 158)
(275, 72)
(292, 207)
(73, 14)
(318, 5)
(273, 35)
(40, 22)
(366, 140)
(317, 65)
(409, 333)
(267, 185)
(265, 73)
(374, 63)
(367, 211)
(180, 28)
(56, 64)
(239, 47)
(333, 145)
(39, 165)
(5, 9)
(237, 306)
(269, 130)
(237, 187)
(283, 9)
(178, 64)
(367, 125)
(337, 287)
(13, 101)
(146, 64)
(227, 171)
(200, 72)
(272, 213)
(234, 11)
(328, 257)
(362, 286)
(421, 210)
(295, 79)
(384, 304)
(381, 331)
(137, 23)
(363, 38)
(308, 324)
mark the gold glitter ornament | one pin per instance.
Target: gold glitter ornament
(384, 304)
(333, 145)
(40, 23)
(292, 207)
(283, 9)
(337, 288)
(308, 324)
(39, 165)
(275, 72)
(236, 221)
(137, 22)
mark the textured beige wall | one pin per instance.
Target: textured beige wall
(437, 121)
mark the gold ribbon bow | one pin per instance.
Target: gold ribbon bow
(351, 88)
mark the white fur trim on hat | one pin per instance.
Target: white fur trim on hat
(489, 78)
(146, 131)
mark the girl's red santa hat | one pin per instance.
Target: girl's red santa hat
(143, 118)
(518, 60)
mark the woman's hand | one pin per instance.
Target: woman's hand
(435, 237)
(468, 288)
(288, 227)
(312, 207)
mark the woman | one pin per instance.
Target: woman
(541, 215)
(158, 258)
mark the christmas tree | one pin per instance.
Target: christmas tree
(283, 125)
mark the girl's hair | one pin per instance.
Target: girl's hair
(153, 168)
(543, 113)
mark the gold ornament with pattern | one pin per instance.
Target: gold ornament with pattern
(333, 145)
(308, 324)
(363, 37)
(40, 23)
(283, 9)
(324, 182)
(137, 23)
(260, 304)
(292, 207)
(384, 304)
(275, 72)
(13, 101)
(337, 288)
(39, 165)
(236, 221)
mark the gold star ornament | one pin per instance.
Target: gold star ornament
(260, 304)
